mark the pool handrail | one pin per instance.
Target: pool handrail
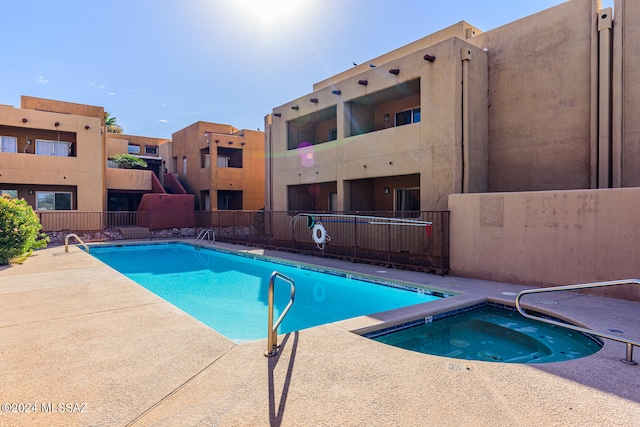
(272, 338)
(207, 233)
(630, 343)
(66, 242)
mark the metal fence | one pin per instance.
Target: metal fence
(350, 239)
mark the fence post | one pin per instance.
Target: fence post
(355, 239)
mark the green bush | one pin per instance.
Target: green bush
(19, 230)
(129, 161)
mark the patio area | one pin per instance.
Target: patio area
(84, 345)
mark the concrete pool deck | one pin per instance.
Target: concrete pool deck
(80, 344)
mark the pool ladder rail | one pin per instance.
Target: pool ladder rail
(66, 242)
(208, 234)
(630, 343)
(272, 337)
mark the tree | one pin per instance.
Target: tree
(19, 230)
(111, 124)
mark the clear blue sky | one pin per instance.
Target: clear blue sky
(161, 65)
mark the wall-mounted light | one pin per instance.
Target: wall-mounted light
(31, 192)
(24, 120)
(386, 190)
(394, 71)
(429, 58)
(295, 107)
(56, 124)
(314, 100)
(277, 114)
(336, 92)
(386, 118)
(363, 82)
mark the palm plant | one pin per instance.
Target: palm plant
(111, 124)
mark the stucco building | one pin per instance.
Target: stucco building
(526, 133)
(221, 165)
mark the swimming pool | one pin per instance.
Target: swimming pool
(228, 292)
(494, 335)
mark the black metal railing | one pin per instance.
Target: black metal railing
(417, 248)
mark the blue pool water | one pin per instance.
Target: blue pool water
(493, 335)
(229, 292)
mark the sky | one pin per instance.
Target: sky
(159, 66)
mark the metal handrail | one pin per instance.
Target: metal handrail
(207, 233)
(272, 341)
(630, 343)
(66, 242)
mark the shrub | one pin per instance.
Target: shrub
(19, 230)
(128, 161)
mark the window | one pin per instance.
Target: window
(184, 165)
(150, 150)
(333, 134)
(229, 157)
(223, 161)
(408, 116)
(8, 144)
(53, 148)
(133, 149)
(12, 194)
(407, 199)
(205, 158)
(51, 201)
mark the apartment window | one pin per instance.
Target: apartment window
(8, 144)
(407, 199)
(53, 148)
(12, 194)
(229, 157)
(133, 149)
(184, 165)
(333, 134)
(53, 201)
(150, 150)
(223, 161)
(407, 117)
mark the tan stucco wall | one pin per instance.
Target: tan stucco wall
(128, 179)
(627, 16)
(547, 238)
(541, 89)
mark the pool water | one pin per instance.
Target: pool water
(229, 292)
(494, 335)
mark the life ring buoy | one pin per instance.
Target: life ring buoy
(319, 234)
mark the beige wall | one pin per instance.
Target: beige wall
(627, 89)
(128, 179)
(541, 99)
(547, 238)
